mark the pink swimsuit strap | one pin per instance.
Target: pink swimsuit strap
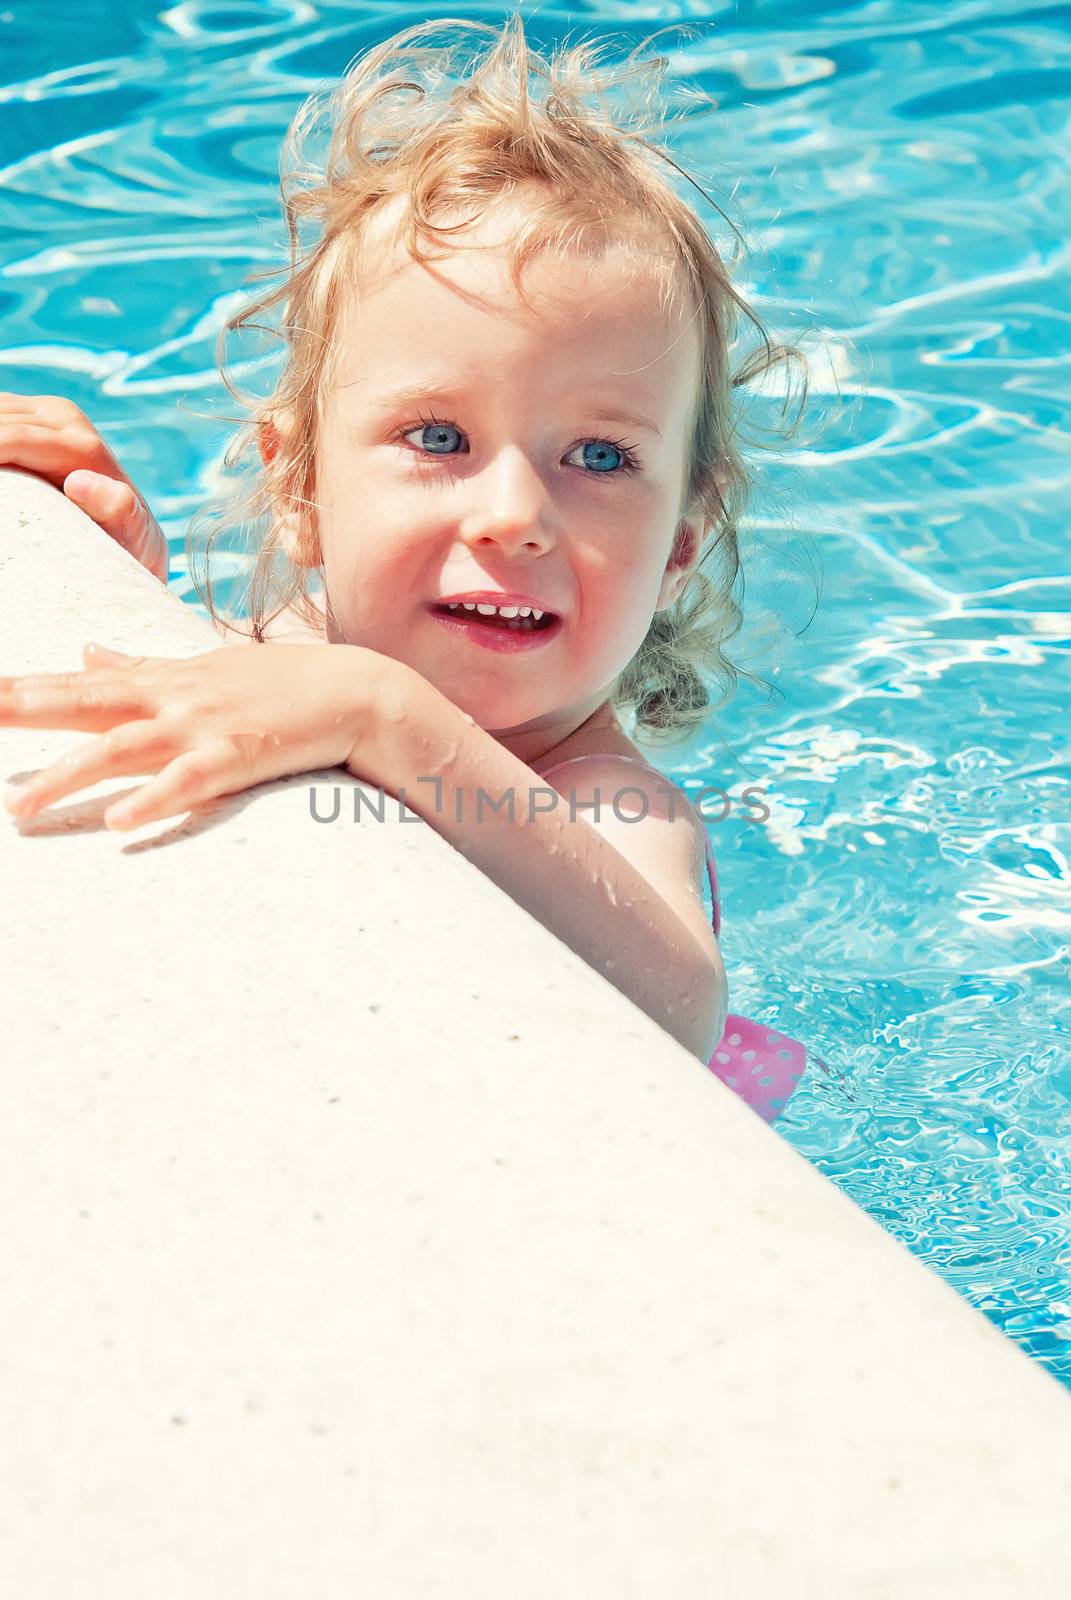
(760, 1064)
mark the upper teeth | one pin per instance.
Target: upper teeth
(490, 611)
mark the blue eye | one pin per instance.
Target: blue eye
(436, 443)
(599, 454)
(596, 452)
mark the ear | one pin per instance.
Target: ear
(688, 545)
(267, 440)
(271, 434)
(683, 559)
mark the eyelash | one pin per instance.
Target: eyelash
(630, 464)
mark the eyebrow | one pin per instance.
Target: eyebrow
(610, 411)
(601, 408)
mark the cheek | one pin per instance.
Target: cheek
(617, 614)
(626, 591)
(373, 575)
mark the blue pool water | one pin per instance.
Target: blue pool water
(899, 171)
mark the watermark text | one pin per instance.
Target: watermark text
(629, 803)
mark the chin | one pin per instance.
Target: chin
(502, 720)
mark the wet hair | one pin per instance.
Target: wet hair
(421, 140)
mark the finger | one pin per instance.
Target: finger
(30, 401)
(102, 655)
(117, 508)
(192, 778)
(115, 505)
(91, 702)
(132, 747)
(52, 409)
(27, 405)
(37, 448)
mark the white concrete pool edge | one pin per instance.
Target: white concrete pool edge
(335, 1258)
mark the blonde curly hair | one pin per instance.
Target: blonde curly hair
(420, 132)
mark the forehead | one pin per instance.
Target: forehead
(605, 309)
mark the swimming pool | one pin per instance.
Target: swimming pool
(905, 908)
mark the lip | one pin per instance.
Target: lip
(501, 639)
(487, 597)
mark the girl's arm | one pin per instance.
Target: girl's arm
(224, 721)
(628, 908)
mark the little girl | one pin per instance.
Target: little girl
(499, 452)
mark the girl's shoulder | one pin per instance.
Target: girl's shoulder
(601, 738)
(648, 818)
(632, 787)
(587, 751)
(623, 777)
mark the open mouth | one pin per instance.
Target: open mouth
(516, 624)
(478, 630)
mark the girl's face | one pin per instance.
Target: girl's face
(472, 447)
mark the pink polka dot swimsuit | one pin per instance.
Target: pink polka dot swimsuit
(760, 1064)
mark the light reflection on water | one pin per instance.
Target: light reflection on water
(899, 172)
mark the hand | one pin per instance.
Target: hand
(50, 436)
(211, 725)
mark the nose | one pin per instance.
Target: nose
(510, 506)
